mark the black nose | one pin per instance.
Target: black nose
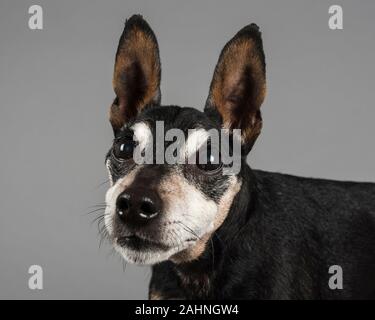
(123, 204)
(137, 206)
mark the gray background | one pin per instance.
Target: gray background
(55, 89)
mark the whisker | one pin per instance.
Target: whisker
(99, 219)
(101, 184)
(124, 264)
(189, 230)
(178, 241)
(96, 210)
(97, 205)
(185, 228)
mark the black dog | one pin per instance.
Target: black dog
(249, 235)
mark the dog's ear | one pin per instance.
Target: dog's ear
(136, 78)
(238, 86)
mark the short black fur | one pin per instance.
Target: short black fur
(282, 232)
(278, 242)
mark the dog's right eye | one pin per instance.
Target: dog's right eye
(124, 149)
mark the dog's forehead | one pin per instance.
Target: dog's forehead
(174, 117)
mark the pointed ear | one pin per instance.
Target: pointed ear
(136, 78)
(238, 86)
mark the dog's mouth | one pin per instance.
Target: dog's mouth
(137, 243)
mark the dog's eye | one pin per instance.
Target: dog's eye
(124, 149)
(210, 163)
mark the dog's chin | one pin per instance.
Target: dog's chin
(148, 257)
(146, 253)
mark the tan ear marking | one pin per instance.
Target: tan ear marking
(137, 70)
(238, 87)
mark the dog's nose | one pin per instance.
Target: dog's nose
(123, 204)
(134, 206)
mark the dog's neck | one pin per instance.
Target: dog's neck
(199, 274)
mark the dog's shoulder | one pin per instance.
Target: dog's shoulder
(317, 206)
(325, 222)
(328, 194)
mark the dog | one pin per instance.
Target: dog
(207, 235)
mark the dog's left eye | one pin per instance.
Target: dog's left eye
(211, 163)
(124, 149)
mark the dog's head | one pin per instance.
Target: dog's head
(158, 210)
